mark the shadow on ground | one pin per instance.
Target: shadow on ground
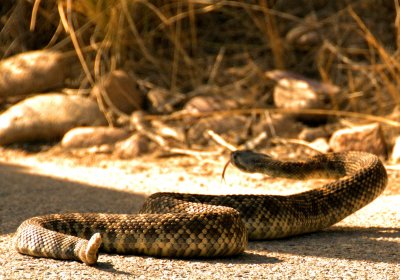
(24, 195)
(375, 244)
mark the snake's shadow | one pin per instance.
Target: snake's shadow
(375, 244)
(244, 258)
(109, 267)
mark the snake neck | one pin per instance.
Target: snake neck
(328, 166)
(303, 170)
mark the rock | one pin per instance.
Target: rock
(161, 100)
(47, 117)
(295, 92)
(82, 137)
(132, 147)
(284, 126)
(168, 131)
(232, 128)
(320, 144)
(210, 103)
(100, 149)
(31, 72)
(164, 101)
(392, 131)
(120, 90)
(395, 157)
(313, 133)
(367, 138)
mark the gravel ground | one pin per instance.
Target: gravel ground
(365, 245)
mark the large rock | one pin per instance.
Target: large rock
(366, 138)
(395, 156)
(82, 137)
(161, 100)
(229, 128)
(120, 90)
(312, 133)
(283, 126)
(134, 146)
(321, 145)
(298, 93)
(210, 103)
(47, 117)
(31, 72)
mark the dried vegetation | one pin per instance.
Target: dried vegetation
(185, 49)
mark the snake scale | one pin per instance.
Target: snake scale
(195, 225)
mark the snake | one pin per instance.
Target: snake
(184, 225)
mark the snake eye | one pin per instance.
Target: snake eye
(234, 156)
(239, 158)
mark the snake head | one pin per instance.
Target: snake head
(249, 161)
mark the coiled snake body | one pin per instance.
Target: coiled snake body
(194, 225)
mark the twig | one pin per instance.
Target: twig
(219, 140)
(269, 123)
(254, 142)
(68, 26)
(144, 128)
(217, 64)
(194, 153)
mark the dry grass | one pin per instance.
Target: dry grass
(180, 45)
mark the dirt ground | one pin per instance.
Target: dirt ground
(365, 245)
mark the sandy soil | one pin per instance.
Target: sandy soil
(365, 245)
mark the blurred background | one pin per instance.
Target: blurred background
(189, 75)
